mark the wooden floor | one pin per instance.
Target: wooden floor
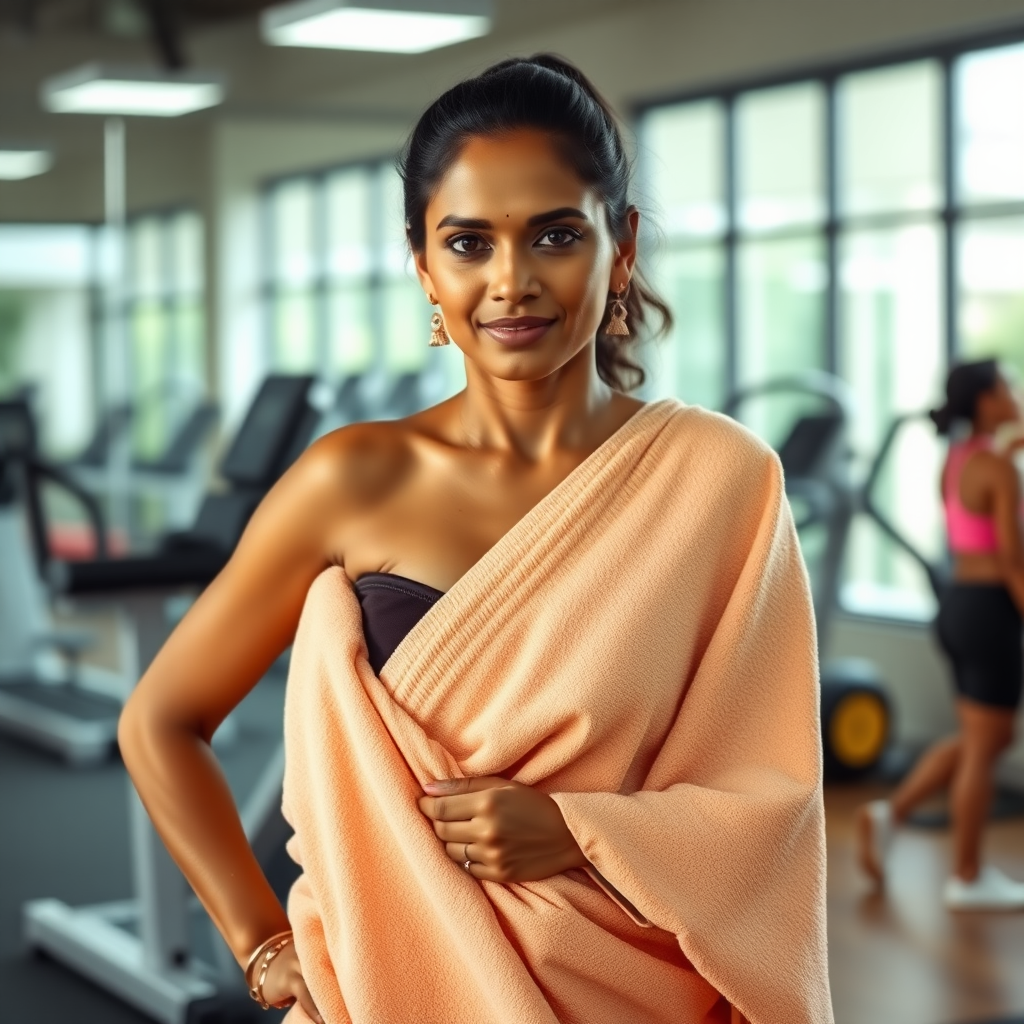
(901, 957)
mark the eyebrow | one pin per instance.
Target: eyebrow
(451, 221)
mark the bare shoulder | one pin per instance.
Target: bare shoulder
(305, 516)
(992, 469)
(359, 464)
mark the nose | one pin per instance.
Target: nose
(513, 278)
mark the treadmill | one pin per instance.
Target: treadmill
(856, 713)
(177, 477)
(65, 708)
(73, 721)
(153, 951)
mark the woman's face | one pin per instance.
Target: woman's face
(1001, 404)
(1009, 390)
(520, 256)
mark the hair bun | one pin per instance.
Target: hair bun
(559, 65)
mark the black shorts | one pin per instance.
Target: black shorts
(979, 627)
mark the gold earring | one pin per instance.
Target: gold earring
(617, 324)
(438, 335)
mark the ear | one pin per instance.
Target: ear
(419, 260)
(625, 252)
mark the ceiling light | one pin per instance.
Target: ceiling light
(395, 26)
(97, 89)
(17, 162)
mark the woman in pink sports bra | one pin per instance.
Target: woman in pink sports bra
(979, 628)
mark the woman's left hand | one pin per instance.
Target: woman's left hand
(509, 832)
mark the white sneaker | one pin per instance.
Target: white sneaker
(875, 832)
(991, 890)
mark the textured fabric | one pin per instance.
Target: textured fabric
(640, 645)
(968, 532)
(979, 628)
(391, 605)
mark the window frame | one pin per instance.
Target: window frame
(321, 280)
(173, 293)
(949, 215)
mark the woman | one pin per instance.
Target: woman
(979, 628)
(551, 731)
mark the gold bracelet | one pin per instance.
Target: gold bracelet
(263, 954)
(259, 951)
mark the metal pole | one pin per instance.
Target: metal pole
(115, 351)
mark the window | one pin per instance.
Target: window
(66, 328)
(686, 171)
(48, 281)
(341, 298)
(165, 321)
(868, 221)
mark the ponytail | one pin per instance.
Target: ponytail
(966, 383)
(942, 418)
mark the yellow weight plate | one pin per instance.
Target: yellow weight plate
(857, 729)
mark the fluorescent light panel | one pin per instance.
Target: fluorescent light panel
(17, 162)
(96, 89)
(393, 26)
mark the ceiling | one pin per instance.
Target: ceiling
(117, 17)
(266, 84)
(39, 38)
(167, 26)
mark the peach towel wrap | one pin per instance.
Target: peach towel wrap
(641, 647)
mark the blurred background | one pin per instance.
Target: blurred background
(199, 196)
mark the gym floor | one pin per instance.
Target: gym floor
(898, 959)
(901, 958)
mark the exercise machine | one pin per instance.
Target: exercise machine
(47, 698)
(178, 476)
(158, 951)
(113, 432)
(349, 404)
(856, 714)
(938, 571)
(174, 479)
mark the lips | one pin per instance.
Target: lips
(521, 323)
(517, 331)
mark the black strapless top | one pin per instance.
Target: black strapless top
(391, 606)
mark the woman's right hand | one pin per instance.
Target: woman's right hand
(284, 981)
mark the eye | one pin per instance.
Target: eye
(559, 238)
(466, 244)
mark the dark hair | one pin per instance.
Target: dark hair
(549, 94)
(966, 383)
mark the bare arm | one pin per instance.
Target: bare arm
(217, 654)
(1005, 490)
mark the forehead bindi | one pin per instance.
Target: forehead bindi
(510, 179)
